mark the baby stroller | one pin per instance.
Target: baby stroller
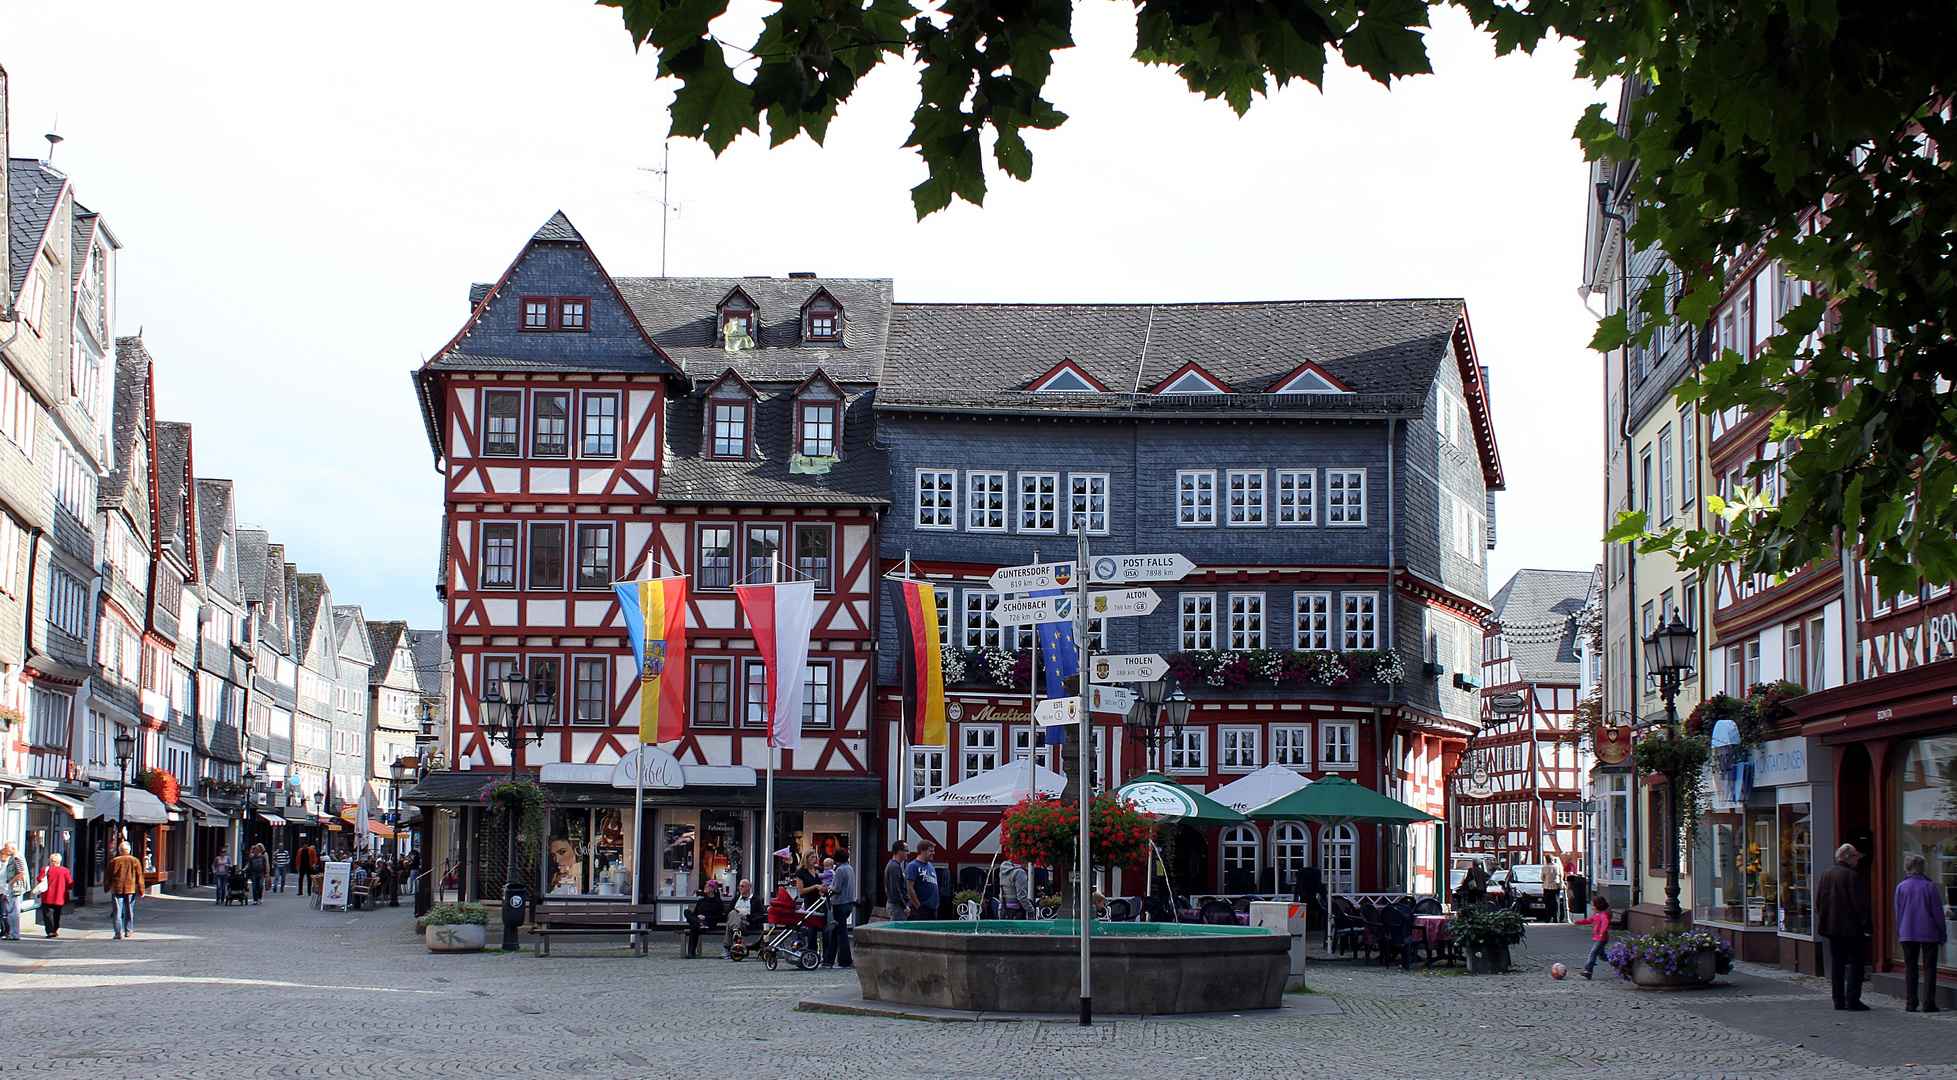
(794, 934)
(237, 888)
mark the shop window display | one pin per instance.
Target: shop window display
(585, 855)
(1796, 868)
(1741, 884)
(1927, 805)
(700, 845)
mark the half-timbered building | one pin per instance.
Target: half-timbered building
(593, 430)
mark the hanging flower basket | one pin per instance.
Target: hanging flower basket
(160, 783)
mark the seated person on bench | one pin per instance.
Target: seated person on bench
(741, 919)
(704, 915)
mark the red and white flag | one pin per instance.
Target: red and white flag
(782, 617)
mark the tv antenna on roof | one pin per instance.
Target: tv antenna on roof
(667, 207)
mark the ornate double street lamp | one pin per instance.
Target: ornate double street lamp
(399, 773)
(1160, 719)
(1668, 656)
(125, 753)
(505, 705)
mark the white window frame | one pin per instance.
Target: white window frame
(1311, 621)
(978, 621)
(1037, 510)
(1237, 749)
(1298, 751)
(937, 499)
(985, 501)
(1247, 492)
(1024, 736)
(1195, 498)
(1338, 746)
(979, 744)
(1358, 621)
(1338, 854)
(1246, 621)
(927, 772)
(1296, 492)
(1345, 497)
(1237, 843)
(1187, 753)
(1084, 500)
(1201, 633)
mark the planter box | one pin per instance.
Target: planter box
(1488, 960)
(455, 937)
(1705, 969)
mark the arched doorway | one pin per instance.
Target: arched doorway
(1189, 864)
(1338, 854)
(1240, 863)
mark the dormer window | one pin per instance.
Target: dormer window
(818, 427)
(1190, 379)
(819, 405)
(1067, 377)
(735, 323)
(730, 429)
(1310, 379)
(822, 320)
(548, 313)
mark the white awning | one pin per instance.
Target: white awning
(76, 809)
(999, 789)
(131, 804)
(1266, 785)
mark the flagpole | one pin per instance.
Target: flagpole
(1033, 733)
(1082, 572)
(903, 755)
(768, 800)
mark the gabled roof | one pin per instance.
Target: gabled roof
(350, 635)
(1067, 377)
(1535, 613)
(276, 628)
(558, 230)
(1309, 378)
(1190, 378)
(131, 422)
(176, 512)
(217, 536)
(309, 595)
(33, 192)
(738, 299)
(821, 294)
(389, 641)
(680, 313)
(431, 655)
(730, 376)
(253, 545)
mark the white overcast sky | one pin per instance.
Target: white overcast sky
(305, 193)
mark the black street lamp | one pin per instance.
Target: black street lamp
(1164, 710)
(505, 707)
(1668, 654)
(125, 753)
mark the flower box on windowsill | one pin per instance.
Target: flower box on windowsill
(1432, 669)
(1466, 681)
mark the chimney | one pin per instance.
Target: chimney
(801, 275)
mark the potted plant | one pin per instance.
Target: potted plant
(1485, 938)
(968, 904)
(160, 783)
(1671, 959)
(455, 927)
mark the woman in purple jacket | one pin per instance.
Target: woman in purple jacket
(1920, 926)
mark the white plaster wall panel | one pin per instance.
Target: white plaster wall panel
(545, 612)
(647, 448)
(464, 416)
(592, 481)
(853, 673)
(455, 611)
(647, 478)
(505, 481)
(592, 612)
(855, 539)
(639, 563)
(583, 744)
(501, 610)
(550, 481)
(716, 749)
(862, 610)
(717, 613)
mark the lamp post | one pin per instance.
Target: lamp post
(505, 707)
(398, 774)
(125, 753)
(1160, 719)
(1668, 654)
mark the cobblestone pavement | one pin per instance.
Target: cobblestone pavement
(281, 990)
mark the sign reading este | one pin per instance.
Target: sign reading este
(1057, 712)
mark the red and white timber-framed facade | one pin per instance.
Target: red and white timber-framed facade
(572, 442)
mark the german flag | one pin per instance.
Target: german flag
(920, 661)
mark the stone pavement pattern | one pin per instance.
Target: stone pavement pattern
(281, 990)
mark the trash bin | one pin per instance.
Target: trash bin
(1284, 918)
(1576, 889)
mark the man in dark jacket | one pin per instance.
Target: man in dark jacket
(895, 895)
(705, 914)
(1841, 914)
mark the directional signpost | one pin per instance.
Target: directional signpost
(1021, 610)
(1034, 577)
(1109, 699)
(1054, 712)
(1121, 602)
(1139, 667)
(1123, 569)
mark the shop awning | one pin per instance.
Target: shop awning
(206, 813)
(460, 788)
(273, 820)
(131, 804)
(296, 816)
(75, 807)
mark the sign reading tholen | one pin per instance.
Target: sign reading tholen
(1034, 576)
(1122, 569)
(1137, 667)
(1122, 602)
(1021, 610)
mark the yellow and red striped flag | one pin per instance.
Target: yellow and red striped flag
(920, 661)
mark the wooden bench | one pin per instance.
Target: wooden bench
(579, 918)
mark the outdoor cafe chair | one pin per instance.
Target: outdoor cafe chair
(1427, 905)
(1347, 927)
(1219, 913)
(1119, 910)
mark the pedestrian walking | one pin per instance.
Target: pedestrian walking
(221, 875)
(895, 896)
(921, 879)
(737, 918)
(125, 881)
(1841, 914)
(842, 905)
(13, 887)
(306, 861)
(1015, 889)
(1599, 922)
(706, 911)
(383, 881)
(281, 863)
(53, 887)
(257, 865)
(1923, 931)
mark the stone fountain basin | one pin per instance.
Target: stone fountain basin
(1034, 966)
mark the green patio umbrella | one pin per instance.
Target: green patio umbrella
(1335, 800)
(1160, 797)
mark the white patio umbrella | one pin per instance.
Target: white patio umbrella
(360, 839)
(1266, 785)
(996, 789)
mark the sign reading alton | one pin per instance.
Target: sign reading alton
(1122, 602)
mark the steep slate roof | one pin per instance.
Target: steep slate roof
(276, 631)
(350, 626)
(385, 637)
(253, 545)
(172, 467)
(1536, 612)
(215, 522)
(131, 416)
(431, 654)
(308, 595)
(859, 478)
(33, 191)
(679, 313)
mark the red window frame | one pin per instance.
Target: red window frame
(747, 428)
(747, 316)
(563, 314)
(835, 315)
(835, 425)
(549, 305)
